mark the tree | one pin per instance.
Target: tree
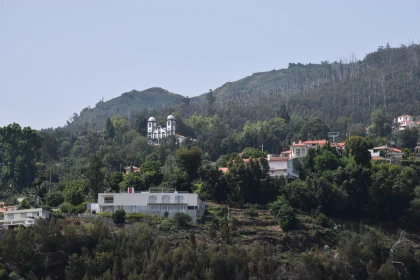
(54, 198)
(252, 153)
(141, 125)
(115, 181)
(118, 216)
(18, 153)
(211, 99)
(284, 213)
(407, 138)
(24, 205)
(358, 149)
(109, 131)
(189, 160)
(73, 192)
(283, 113)
(181, 219)
(95, 176)
(121, 126)
(151, 173)
(380, 125)
(327, 160)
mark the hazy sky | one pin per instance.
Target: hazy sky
(58, 57)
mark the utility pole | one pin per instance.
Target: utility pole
(228, 213)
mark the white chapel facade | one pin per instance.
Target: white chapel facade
(155, 132)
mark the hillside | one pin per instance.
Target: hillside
(388, 78)
(128, 102)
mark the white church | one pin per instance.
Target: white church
(155, 132)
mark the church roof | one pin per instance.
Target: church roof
(152, 119)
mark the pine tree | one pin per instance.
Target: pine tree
(283, 113)
(109, 132)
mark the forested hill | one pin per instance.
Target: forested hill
(388, 78)
(125, 104)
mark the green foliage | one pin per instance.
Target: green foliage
(252, 153)
(18, 154)
(116, 179)
(181, 220)
(323, 220)
(358, 149)
(109, 131)
(73, 192)
(118, 216)
(251, 211)
(189, 160)
(24, 205)
(284, 213)
(381, 124)
(407, 138)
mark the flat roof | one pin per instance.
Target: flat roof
(26, 210)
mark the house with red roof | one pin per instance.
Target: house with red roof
(279, 165)
(300, 149)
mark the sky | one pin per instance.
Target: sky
(58, 57)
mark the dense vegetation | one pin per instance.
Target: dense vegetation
(275, 228)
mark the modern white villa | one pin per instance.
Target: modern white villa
(152, 203)
(26, 217)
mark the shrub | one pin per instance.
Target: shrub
(251, 212)
(119, 216)
(47, 207)
(104, 214)
(166, 225)
(135, 217)
(66, 207)
(81, 208)
(181, 219)
(323, 220)
(284, 213)
(286, 217)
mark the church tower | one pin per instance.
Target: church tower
(151, 126)
(170, 125)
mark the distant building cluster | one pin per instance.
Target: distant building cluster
(403, 122)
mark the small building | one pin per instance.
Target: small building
(384, 153)
(403, 122)
(128, 169)
(279, 165)
(25, 217)
(8, 208)
(152, 203)
(282, 166)
(300, 149)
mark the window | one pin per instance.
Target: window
(169, 123)
(150, 124)
(108, 199)
(152, 199)
(166, 199)
(179, 199)
(10, 216)
(297, 152)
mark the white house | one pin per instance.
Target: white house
(403, 122)
(300, 149)
(282, 166)
(152, 203)
(26, 217)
